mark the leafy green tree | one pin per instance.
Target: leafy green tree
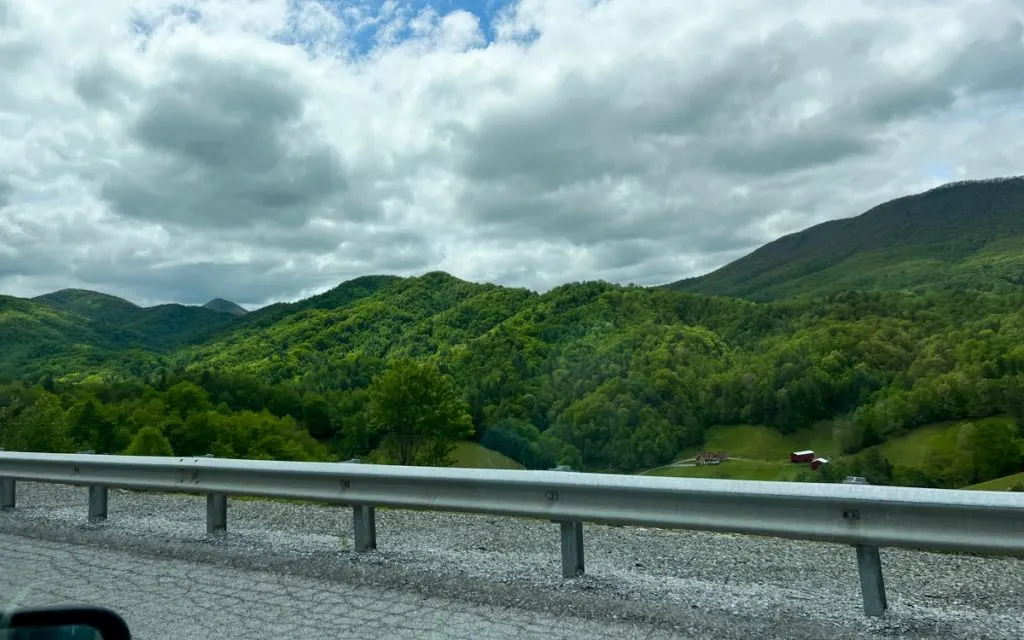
(41, 426)
(285, 400)
(991, 449)
(1014, 399)
(419, 413)
(870, 465)
(196, 435)
(355, 436)
(187, 398)
(316, 415)
(149, 442)
(90, 429)
(520, 441)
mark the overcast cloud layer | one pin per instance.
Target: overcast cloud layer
(265, 150)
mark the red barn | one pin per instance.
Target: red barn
(817, 463)
(801, 456)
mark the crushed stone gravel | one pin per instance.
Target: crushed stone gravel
(682, 581)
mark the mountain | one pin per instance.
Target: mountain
(76, 331)
(91, 304)
(34, 335)
(377, 316)
(598, 376)
(966, 235)
(88, 330)
(344, 294)
(225, 306)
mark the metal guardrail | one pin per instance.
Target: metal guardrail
(867, 517)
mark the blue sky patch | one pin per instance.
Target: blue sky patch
(368, 35)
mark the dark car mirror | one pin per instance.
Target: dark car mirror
(63, 623)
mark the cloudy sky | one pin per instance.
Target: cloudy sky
(261, 150)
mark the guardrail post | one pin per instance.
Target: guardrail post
(6, 493)
(216, 513)
(872, 586)
(97, 503)
(869, 567)
(364, 524)
(572, 549)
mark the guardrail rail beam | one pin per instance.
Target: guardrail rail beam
(872, 585)
(572, 549)
(364, 525)
(216, 513)
(854, 515)
(7, 493)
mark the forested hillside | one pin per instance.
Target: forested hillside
(961, 235)
(593, 375)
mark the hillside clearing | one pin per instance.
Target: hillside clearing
(736, 470)
(999, 484)
(472, 455)
(758, 442)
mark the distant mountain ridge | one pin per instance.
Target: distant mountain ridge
(960, 235)
(89, 303)
(225, 306)
(158, 327)
(88, 328)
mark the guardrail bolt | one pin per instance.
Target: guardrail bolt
(572, 549)
(364, 524)
(7, 493)
(97, 503)
(216, 513)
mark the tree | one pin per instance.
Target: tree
(418, 412)
(187, 398)
(90, 429)
(316, 415)
(194, 436)
(41, 426)
(991, 449)
(149, 442)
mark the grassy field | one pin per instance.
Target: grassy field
(912, 450)
(758, 442)
(763, 452)
(999, 484)
(471, 455)
(736, 470)
(467, 455)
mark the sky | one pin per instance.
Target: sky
(268, 150)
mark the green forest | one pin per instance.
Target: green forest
(597, 376)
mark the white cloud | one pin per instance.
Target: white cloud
(256, 150)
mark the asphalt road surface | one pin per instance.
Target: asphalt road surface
(165, 599)
(288, 571)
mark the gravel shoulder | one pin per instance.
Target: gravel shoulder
(686, 584)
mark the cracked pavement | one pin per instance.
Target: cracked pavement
(174, 599)
(288, 570)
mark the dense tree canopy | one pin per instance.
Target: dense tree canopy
(594, 375)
